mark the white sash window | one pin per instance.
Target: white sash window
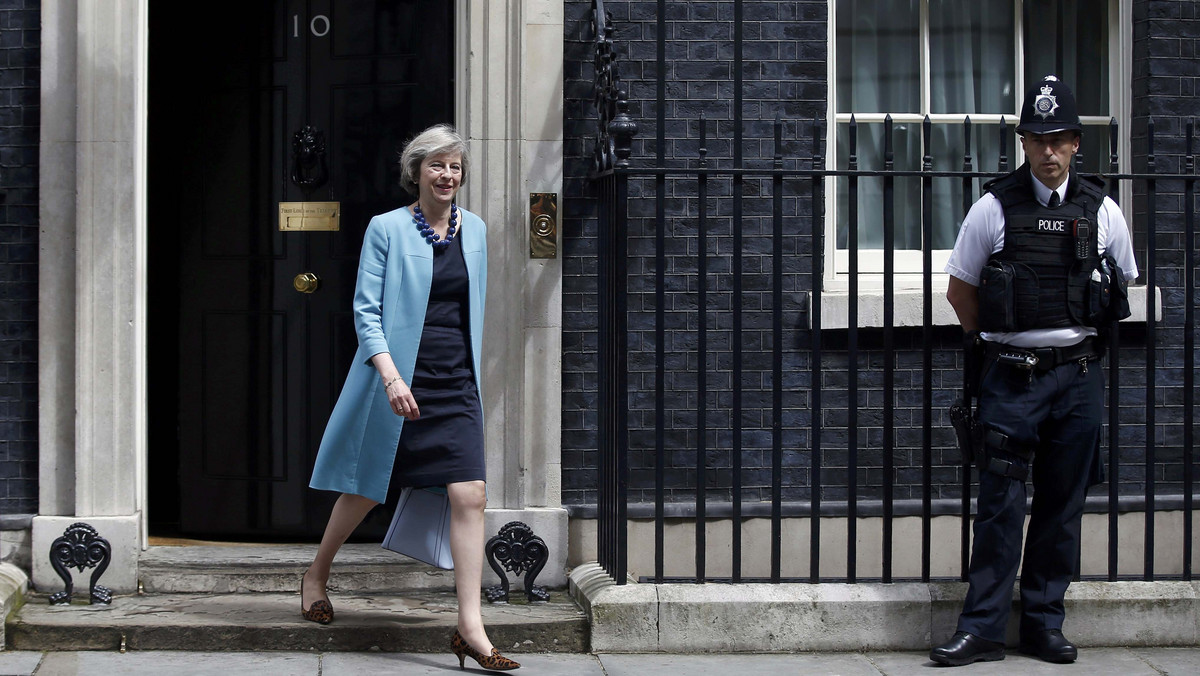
(950, 59)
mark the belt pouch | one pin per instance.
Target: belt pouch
(1107, 293)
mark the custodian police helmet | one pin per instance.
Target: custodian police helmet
(1049, 107)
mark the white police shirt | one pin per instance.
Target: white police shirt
(982, 234)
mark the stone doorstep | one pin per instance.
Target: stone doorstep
(362, 568)
(634, 618)
(416, 621)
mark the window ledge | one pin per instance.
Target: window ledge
(908, 309)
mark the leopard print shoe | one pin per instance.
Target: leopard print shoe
(320, 612)
(494, 661)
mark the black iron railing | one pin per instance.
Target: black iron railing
(717, 373)
(611, 158)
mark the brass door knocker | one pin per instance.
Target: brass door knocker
(308, 159)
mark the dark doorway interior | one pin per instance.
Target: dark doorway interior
(243, 368)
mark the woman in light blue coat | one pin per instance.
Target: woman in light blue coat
(410, 411)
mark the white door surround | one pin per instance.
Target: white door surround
(92, 268)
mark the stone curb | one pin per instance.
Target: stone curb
(542, 637)
(14, 583)
(634, 618)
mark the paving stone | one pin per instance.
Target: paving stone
(1171, 660)
(17, 662)
(1092, 661)
(410, 664)
(156, 663)
(663, 664)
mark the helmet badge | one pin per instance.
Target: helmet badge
(1046, 103)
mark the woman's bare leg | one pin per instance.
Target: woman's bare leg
(348, 512)
(467, 500)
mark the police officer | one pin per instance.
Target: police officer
(1040, 266)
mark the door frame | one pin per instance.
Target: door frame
(93, 316)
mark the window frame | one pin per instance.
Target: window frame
(908, 273)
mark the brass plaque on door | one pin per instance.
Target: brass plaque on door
(310, 216)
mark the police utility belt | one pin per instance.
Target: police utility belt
(1043, 358)
(1028, 360)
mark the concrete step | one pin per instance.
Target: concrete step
(234, 568)
(416, 621)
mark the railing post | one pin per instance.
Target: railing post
(611, 162)
(889, 352)
(927, 346)
(965, 479)
(1002, 163)
(777, 299)
(852, 358)
(702, 369)
(818, 273)
(1151, 256)
(1189, 344)
(1114, 390)
(660, 293)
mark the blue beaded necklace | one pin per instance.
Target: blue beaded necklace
(427, 231)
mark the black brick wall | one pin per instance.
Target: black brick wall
(1166, 89)
(783, 73)
(19, 100)
(785, 45)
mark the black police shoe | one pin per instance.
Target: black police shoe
(1049, 645)
(964, 648)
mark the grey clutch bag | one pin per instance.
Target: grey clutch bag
(421, 527)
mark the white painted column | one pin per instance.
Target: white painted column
(510, 107)
(92, 282)
(56, 263)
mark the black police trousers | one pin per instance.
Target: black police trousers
(1059, 411)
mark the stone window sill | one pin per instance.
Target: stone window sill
(908, 307)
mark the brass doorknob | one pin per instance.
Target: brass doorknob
(306, 282)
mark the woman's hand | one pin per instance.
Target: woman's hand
(401, 399)
(398, 394)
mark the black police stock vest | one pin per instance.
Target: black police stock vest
(1037, 280)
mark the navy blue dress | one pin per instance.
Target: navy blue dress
(444, 445)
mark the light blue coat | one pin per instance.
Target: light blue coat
(395, 274)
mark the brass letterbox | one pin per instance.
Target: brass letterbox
(310, 216)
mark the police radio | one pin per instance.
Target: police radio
(1083, 232)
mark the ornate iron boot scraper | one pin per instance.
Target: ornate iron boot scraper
(519, 550)
(81, 547)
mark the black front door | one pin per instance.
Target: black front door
(244, 368)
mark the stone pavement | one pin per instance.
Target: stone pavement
(1092, 661)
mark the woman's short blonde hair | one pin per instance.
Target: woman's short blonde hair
(436, 140)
